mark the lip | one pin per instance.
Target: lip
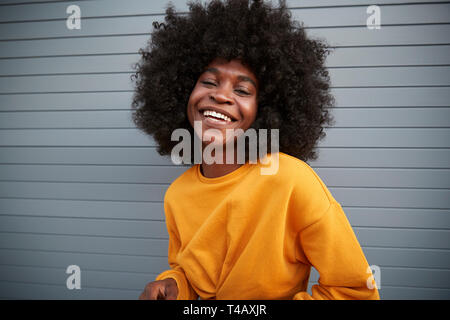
(215, 123)
(201, 109)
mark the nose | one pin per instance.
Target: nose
(221, 95)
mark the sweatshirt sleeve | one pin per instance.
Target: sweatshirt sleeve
(331, 247)
(185, 290)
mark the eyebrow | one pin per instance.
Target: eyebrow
(240, 77)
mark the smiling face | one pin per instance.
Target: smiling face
(224, 97)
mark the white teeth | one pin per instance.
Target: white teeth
(216, 114)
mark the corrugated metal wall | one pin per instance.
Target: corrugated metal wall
(80, 185)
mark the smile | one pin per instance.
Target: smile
(216, 115)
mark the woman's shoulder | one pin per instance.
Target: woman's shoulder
(309, 196)
(183, 181)
(298, 171)
(303, 179)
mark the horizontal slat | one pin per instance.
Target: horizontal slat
(109, 8)
(83, 233)
(83, 191)
(91, 261)
(67, 101)
(379, 158)
(401, 137)
(393, 56)
(88, 8)
(311, 17)
(351, 77)
(391, 97)
(16, 290)
(13, 290)
(355, 118)
(333, 177)
(89, 27)
(120, 280)
(413, 158)
(86, 244)
(375, 217)
(389, 276)
(352, 36)
(89, 279)
(406, 292)
(88, 227)
(73, 46)
(99, 156)
(66, 83)
(398, 218)
(413, 293)
(392, 117)
(371, 197)
(404, 257)
(330, 3)
(357, 15)
(399, 238)
(386, 35)
(403, 238)
(106, 174)
(328, 157)
(131, 44)
(29, 291)
(345, 97)
(389, 178)
(75, 137)
(390, 76)
(340, 57)
(71, 64)
(395, 257)
(336, 137)
(83, 209)
(28, 2)
(408, 277)
(396, 198)
(75, 119)
(393, 253)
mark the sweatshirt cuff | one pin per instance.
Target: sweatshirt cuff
(185, 291)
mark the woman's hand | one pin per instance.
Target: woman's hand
(166, 289)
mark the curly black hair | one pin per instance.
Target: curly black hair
(294, 89)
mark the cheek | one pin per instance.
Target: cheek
(250, 111)
(198, 92)
(196, 95)
(191, 103)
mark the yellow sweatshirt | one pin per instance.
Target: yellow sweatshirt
(250, 236)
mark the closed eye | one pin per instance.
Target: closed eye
(209, 83)
(242, 92)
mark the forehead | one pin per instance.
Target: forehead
(231, 68)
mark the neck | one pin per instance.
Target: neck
(216, 170)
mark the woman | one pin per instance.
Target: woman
(235, 233)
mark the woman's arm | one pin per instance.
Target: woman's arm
(185, 290)
(331, 247)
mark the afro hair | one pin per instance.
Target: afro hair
(294, 85)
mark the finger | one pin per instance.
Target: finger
(171, 296)
(162, 293)
(154, 292)
(172, 291)
(160, 296)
